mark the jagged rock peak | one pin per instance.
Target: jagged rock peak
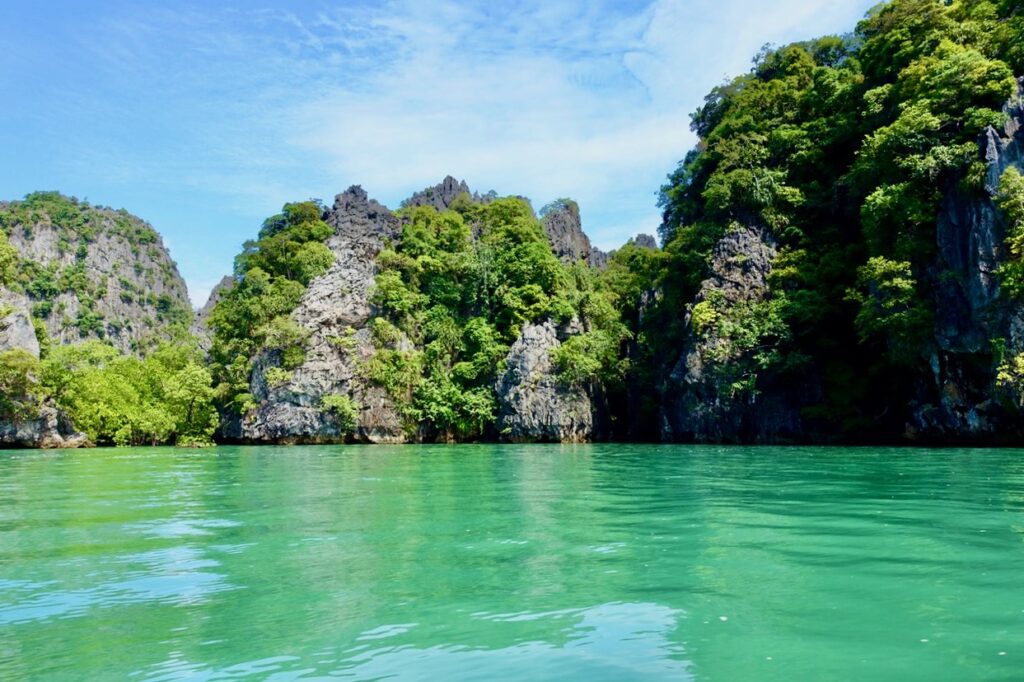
(352, 197)
(561, 219)
(440, 196)
(226, 284)
(355, 215)
(645, 241)
(334, 309)
(200, 327)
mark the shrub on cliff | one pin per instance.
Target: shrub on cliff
(271, 273)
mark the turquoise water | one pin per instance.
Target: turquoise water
(512, 563)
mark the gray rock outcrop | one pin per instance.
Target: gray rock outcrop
(533, 405)
(99, 273)
(42, 427)
(50, 428)
(957, 403)
(440, 196)
(16, 330)
(645, 241)
(564, 228)
(700, 403)
(200, 325)
(334, 310)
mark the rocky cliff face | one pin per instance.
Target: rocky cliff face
(200, 325)
(93, 272)
(440, 196)
(49, 429)
(958, 402)
(16, 329)
(534, 406)
(645, 241)
(45, 427)
(701, 402)
(957, 396)
(565, 231)
(334, 309)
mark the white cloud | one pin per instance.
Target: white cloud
(233, 112)
(553, 99)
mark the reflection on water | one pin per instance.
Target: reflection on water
(509, 562)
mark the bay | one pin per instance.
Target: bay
(507, 562)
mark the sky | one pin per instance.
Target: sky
(204, 118)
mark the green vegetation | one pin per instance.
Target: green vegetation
(841, 152)
(1011, 201)
(451, 306)
(115, 399)
(842, 149)
(118, 399)
(124, 400)
(344, 409)
(77, 225)
(8, 261)
(19, 385)
(253, 317)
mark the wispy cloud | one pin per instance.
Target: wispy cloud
(206, 119)
(545, 99)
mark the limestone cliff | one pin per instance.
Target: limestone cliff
(16, 329)
(533, 404)
(335, 312)
(93, 272)
(48, 429)
(200, 325)
(960, 398)
(41, 426)
(442, 195)
(705, 399)
(956, 395)
(334, 309)
(562, 223)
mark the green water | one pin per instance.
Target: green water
(509, 562)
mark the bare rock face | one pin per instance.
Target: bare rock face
(49, 429)
(440, 196)
(16, 330)
(45, 427)
(699, 404)
(970, 309)
(334, 309)
(564, 228)
(93, 272)
(533, 405)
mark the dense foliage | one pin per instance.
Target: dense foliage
(271, 274)
(164, 398)
(452, 305)
(841, 149)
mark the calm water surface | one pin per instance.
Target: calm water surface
(512, 563)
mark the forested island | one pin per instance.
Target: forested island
(841, 261)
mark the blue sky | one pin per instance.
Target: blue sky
(204, 118)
